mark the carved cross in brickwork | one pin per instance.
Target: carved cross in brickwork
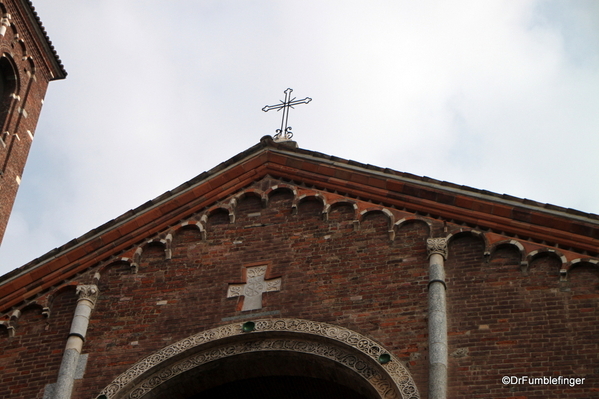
(254, 287)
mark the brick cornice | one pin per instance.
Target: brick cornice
(484, 210)
(511, 219)
(44, 48)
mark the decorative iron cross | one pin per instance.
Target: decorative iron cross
(284, 133)
(253, 289)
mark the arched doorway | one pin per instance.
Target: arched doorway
(266, 375)
(281, 387)
(268, 358)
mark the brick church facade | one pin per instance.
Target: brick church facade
(284, 271)
(287, 273)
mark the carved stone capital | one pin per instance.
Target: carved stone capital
(88, 292)
(437, 246)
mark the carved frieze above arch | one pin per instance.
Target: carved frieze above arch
(360, 354)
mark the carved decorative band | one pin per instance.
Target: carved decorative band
(348, 348)
(336, 354)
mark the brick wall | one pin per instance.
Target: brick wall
(31, 359)
(502, 321)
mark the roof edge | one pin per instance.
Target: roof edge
(59, 72)
(452, 187)
(267, 143)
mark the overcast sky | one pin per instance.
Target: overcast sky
(496, 95)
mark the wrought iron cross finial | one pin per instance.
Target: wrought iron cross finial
(284, 133)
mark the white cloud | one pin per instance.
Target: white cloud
(498, 95)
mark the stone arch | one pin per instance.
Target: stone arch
(63, 289)
(217, 211)
(29, 318)
(557, 256)
(477, 251)
(191, 224)
(154, 242)
(470, 233)
(384, 211)
(298, 201)
(158, 243)
(342, 214)
(280, 199)
(123, 260)
(579, 263)
(380, 211)
(280, 187)
(251, 192)
(553, 253)
(548, 252)
(513, 245)
(364, 359)
(52, 302)
(245, 197)
(164, 242)
(414, 219)
(32, 307)
(342, 203)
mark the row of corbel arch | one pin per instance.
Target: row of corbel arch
(397, 218)
(43, 304)
(568, 260)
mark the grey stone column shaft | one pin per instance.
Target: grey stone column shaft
(437, 319)
(70, 359)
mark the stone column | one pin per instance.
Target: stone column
(66, 376)
(437, 319)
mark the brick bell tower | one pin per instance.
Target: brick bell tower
(28, 62)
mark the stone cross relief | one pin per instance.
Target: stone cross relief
(254, 287)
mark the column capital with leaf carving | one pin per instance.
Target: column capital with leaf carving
(88, 292)
(437, 246)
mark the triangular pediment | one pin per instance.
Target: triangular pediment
(270, 167)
